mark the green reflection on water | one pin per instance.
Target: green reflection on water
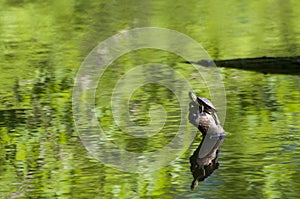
(44, 42)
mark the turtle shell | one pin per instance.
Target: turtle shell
(206, 102)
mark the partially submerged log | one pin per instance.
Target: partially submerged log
(274, 65)
(205, 158)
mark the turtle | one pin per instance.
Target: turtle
(205, 106)
(203, 102)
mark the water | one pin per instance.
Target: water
(43, 45)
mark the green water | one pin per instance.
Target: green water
(43, 44)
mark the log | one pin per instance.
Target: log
(273, 65)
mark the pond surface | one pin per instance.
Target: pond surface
(41, 152)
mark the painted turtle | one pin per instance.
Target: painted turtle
(207, 103)
(202, 101)
(198, 107)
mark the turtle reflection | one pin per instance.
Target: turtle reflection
(204, 160)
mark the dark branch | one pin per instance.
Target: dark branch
(274, 65)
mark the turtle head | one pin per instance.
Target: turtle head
(193, 97)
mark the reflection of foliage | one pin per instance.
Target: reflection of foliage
(42, 43)
(140, 103)
(33, 126)
(263, 122)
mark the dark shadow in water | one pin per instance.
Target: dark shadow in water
(204, 160)
(10, 118)
(266, 65)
